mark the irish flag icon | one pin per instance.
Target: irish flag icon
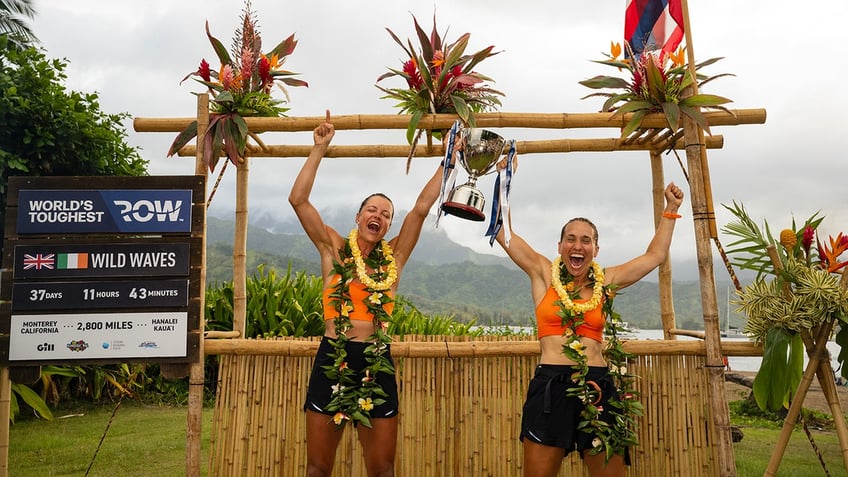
(71, 261)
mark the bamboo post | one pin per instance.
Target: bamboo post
(240, 249)
(5, 411)
(712, 338)
(704, 218)
(666, 300)
(196, 370)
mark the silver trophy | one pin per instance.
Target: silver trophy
(481, 151)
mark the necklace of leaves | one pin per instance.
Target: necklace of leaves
(611, 439)
(351, 400)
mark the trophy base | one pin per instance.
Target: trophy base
(463, 211)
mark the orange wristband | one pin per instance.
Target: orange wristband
(669, 215)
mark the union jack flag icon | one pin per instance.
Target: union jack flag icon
(39, 261)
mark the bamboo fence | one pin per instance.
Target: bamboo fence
(460, 407)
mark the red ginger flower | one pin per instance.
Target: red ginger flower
(203, 71)
(807, 239)
(414, 80)
(265, 73)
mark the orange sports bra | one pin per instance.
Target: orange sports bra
(548, 323)
(358, 295)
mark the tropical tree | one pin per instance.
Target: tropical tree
(12, 25)
(46, 130)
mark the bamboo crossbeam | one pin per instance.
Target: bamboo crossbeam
(445, 121)
(420, 349)
(691, 333)
(215, 334)
(522, 147)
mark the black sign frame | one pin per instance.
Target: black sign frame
(161, 247)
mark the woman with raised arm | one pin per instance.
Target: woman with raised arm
(353, 375)
(573, 382)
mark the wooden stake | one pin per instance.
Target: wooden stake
(196, 376)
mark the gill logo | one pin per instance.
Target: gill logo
(147, 210)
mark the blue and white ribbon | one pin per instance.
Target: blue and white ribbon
(500, 201)
(449, 171)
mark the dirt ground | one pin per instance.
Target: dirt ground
(814, 399)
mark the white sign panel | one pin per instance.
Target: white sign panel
(97, 336)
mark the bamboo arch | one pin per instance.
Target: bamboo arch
(652, 138)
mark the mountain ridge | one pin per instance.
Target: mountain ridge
(448, 279)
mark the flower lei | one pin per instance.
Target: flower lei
(354, 401)
(609, 439)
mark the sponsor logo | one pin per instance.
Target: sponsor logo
(78, 345)
(111, 210)
(46, 347)
(148, 345)
(105, 345)
(150, 210)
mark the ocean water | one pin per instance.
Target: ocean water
(737, 363)
(740, 363)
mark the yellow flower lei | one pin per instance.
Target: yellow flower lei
(597, 289)
(362, 273)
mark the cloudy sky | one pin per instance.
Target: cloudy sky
(134, 54)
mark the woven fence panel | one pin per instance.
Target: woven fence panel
(459, 416)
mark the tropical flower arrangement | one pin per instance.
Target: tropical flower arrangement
(807, 291)
(657, 83)
(440, 78)
(610, 439)
(240, 88)
(352, 401)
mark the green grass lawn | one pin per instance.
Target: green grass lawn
(141, 441)
(754, 452)
(150, 441)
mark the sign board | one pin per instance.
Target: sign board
(142, 259)
(102, 270)
(67, 295)
(111, 211)
(98, 335)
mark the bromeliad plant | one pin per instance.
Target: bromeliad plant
(240, 88)
(803, 294)
(440, 78)
(658, 83)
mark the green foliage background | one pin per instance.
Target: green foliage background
(47, 130)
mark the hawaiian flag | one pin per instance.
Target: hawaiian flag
(39, 261)
(653, 25)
